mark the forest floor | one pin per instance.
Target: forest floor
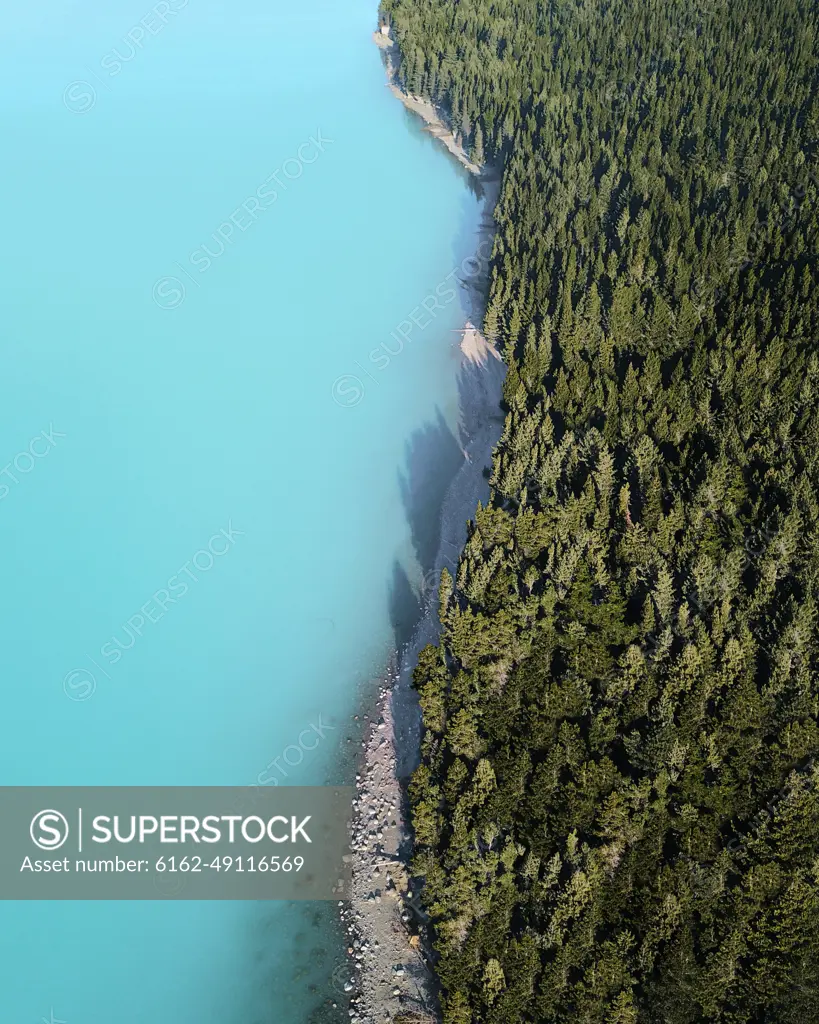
(389, 976)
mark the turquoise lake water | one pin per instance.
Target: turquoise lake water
(152, 403)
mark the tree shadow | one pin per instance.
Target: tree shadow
(433, 458)
(405, 606)
(433, 455)
(480, 387)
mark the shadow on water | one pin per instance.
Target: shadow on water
(456, 500)
(405, 605)
(472, 246)
(432, 457)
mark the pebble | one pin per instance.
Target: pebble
(376, 810)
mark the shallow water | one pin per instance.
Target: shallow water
(177, 402)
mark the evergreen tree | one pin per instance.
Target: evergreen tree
(617, 810)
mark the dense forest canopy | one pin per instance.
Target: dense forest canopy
(617, 810)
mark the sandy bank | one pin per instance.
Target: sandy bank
(423, 108)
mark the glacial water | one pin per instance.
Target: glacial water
(215, 500)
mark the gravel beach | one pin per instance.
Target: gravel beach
(389, 977)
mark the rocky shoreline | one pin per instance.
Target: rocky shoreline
(388, 975)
